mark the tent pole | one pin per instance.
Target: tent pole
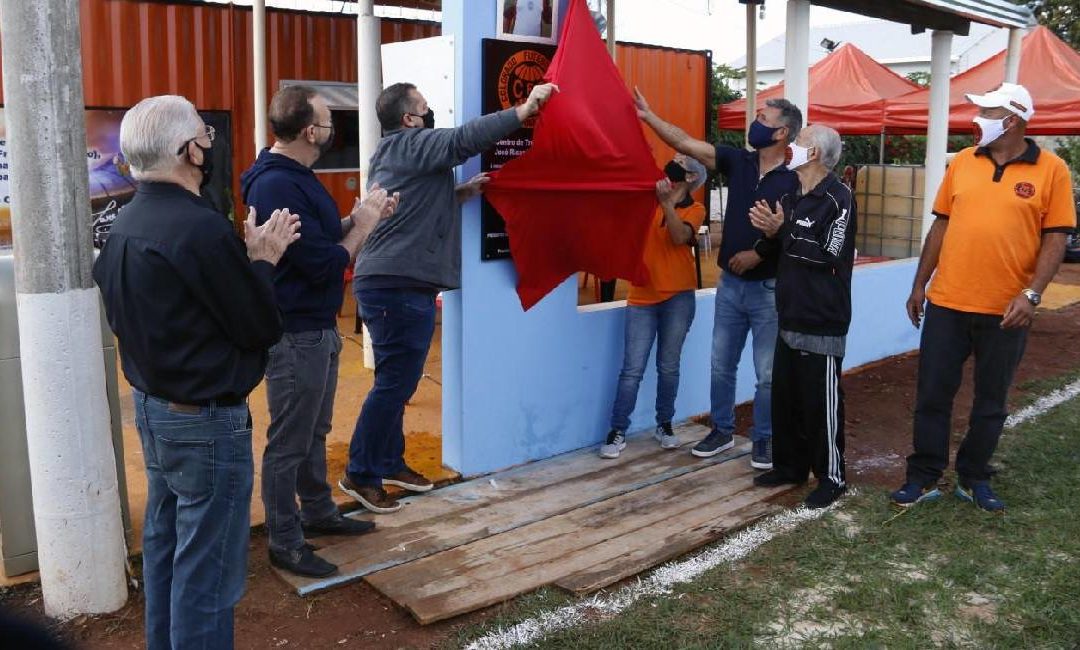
(881, 148)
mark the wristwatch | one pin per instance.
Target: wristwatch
(1033, 297)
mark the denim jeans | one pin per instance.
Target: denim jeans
(199, 472)
(401, 323)
(666, 322)
(949, 337)
(301, 378)
(743, 307)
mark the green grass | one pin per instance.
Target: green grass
(1033, 389)
(941, 575)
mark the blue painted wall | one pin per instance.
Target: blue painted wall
(524, 386)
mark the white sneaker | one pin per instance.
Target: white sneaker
(616, 442)
(666, 437)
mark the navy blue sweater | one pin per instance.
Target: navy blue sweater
(310, 278)
(745, 187)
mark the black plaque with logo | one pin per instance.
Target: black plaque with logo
(511, 69)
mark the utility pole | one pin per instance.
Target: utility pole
(369, 85)
(81, 550)
(258, 46)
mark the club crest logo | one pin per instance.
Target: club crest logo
(519, 75)
(1025, 190)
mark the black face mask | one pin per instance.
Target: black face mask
(207, 166)
(675, 172)
(429, 119)
(324, 147)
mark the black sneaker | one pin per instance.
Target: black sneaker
(302, 562)
(824, 495)
(336, 524)
(714, 443)
(761, 456)
(775, 477)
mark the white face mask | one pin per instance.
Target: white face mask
(797, 156)
(988, 130)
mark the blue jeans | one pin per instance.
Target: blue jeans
(401, 323)
(666, 322)
(301, 378)
(743, 307)
(199, 472)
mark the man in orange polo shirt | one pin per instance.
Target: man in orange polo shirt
(1003, 213)
(663, 309)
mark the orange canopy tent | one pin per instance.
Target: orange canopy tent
(1049, 69)
(848, 90)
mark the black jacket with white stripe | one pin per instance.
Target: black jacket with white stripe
(817, 252)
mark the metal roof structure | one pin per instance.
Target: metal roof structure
(952, 15)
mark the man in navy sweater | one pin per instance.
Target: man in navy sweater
(301, 377)
(746, 292)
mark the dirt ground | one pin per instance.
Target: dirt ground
(879, 402)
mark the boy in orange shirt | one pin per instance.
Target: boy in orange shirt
(663, 309)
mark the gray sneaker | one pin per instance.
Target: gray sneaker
(616, 442)
(666, 437)
(761, 455)
(714, 443)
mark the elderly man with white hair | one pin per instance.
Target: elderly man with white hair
(662, 309)
(194, 311)
(815, 232)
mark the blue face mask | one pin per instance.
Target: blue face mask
(761, 136)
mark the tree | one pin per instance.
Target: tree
(921, 78)
(1061, 16)
(722, 93)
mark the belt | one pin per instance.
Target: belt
(195, 408)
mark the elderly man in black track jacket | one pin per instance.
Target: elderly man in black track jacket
(815, 232)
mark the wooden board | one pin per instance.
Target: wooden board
(467, 512)
(499, 567)
(650, 547)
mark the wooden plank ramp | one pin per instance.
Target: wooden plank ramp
(462, 513)
(584, 548)
(575, 521)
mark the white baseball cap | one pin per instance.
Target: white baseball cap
(1012, 97)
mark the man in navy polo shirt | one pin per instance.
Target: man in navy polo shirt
(746, 293)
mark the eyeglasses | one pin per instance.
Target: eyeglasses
(324, 126)
(210, 133)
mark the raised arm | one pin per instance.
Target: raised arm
(675, 137)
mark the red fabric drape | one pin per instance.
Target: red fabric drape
(583, 197)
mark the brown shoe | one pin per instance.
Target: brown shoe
(373, 498)
(409, 480)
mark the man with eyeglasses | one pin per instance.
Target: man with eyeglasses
(301, 377)
(194, 312)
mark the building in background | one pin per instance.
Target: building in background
(890, 44)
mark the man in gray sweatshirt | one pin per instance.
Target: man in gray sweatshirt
(405, 262)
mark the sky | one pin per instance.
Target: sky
(717, 25)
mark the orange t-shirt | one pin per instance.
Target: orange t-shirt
(671, 265)
(997, 217)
